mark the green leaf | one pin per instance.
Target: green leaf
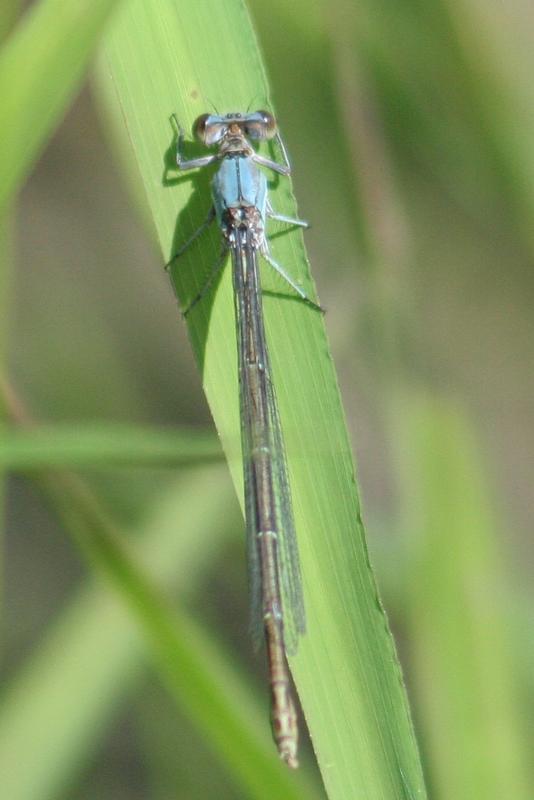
(63, 698)
(463, 658)
(6, 242)
(41, 66)
(9, 10)
(164, 58)
(199, 677)
(104, 445)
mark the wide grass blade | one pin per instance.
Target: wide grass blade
(41, 66)
(169, 58)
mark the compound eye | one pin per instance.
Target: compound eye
(268, 122)
(199, 128)
(260, 125)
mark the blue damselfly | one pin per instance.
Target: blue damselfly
(241, 208)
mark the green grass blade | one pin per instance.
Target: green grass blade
(9, 11)
(62, 700)
(200, 679)
(5, 274)
(41, 66)
(165, 58)
(463, 653)
(104, 445)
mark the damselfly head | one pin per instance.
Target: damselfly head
(210, 129)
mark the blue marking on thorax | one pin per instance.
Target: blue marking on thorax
(239, 183)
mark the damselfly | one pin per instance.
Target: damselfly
(241, 207)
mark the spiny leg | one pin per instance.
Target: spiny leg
(289, 220)
(181, 250)
(278, 139)
(281, 271)
(272, 214)
(193, 163)
(282, 169)
(213, 274)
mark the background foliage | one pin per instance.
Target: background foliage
(410, 128)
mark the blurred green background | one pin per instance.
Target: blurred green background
(418, 120)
